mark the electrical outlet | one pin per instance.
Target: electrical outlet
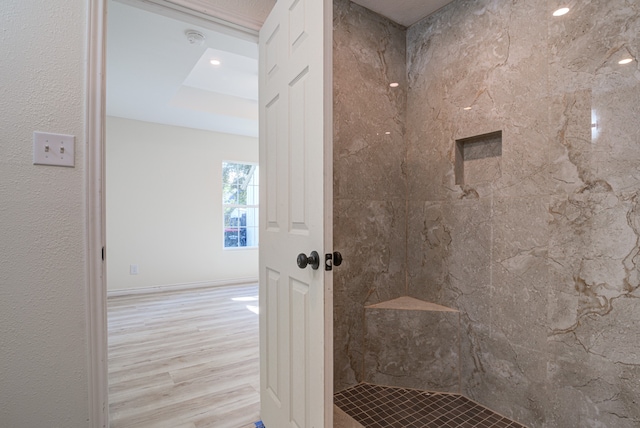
(133, 270)
(53, 149)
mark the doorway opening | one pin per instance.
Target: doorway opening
(182, 323)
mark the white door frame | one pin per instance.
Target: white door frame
(96, 294)
(95, 116)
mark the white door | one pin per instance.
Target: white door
(296, 305)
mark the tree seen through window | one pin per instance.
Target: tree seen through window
(240, 204)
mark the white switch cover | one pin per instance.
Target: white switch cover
(133, 270)
(53, 149)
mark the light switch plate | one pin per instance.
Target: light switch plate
(134, 270)
(53, 149)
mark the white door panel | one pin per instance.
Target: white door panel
(296, 214)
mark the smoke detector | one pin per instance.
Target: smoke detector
(195, 37)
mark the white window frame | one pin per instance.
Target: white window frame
(253, 208)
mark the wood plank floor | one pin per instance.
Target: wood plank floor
(184, 359)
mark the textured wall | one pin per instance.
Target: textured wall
(43, 349)
(541, 259)
(369, 182)
(164, 206)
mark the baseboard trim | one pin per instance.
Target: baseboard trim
(179, 287)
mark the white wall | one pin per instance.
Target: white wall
(43, 336)
(164, 212)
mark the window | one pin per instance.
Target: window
(240, 204)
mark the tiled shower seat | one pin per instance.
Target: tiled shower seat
(412, 372)
(414, 344)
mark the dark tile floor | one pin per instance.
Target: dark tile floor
(386, 407)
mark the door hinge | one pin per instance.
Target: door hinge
(102, 253)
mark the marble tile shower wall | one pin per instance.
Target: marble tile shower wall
(541, 260)
(369, 179)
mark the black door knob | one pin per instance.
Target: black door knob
(337, 258)
(313, 260)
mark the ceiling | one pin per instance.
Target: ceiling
(404, 12)
(247, 13)
(155, 75)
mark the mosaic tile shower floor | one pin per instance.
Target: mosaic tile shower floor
(376, 406)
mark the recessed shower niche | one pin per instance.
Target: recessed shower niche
(478, 158)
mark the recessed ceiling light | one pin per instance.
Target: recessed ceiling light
(625, 61)
(215, 62)
(394, 84)
(561, 11)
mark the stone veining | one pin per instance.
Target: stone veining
(540, 260)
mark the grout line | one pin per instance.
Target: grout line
(391, 405)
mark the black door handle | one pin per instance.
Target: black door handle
(337, 258)
(313, 260)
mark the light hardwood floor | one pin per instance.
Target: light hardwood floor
(184, 359)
